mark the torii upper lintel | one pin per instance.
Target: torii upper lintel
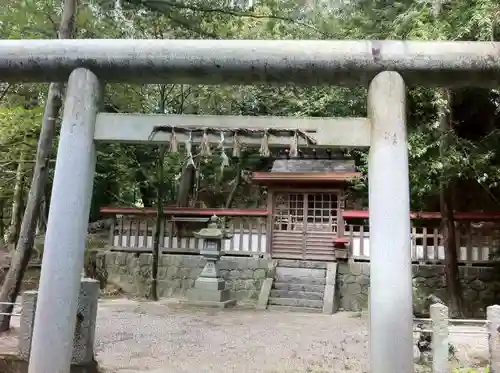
(306, 62)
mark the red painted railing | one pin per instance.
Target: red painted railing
(347, 214)
(182, 211)
(424, 215)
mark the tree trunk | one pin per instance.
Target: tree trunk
(159, 223)
(451, 256)
(237, 182)
(447, 216)
(2, 217)
(143, 158)
(17, 205)
(159, 206)
(186, 185)
(146, 190)
(42, 218)
(12, 284)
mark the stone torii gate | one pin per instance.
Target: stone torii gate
(383, 65)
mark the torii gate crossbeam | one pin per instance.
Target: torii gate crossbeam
(306, 62)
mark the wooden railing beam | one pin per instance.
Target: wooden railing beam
(182, 211)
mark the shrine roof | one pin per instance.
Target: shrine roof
(313, 165)
(304, 177)
(308, 171)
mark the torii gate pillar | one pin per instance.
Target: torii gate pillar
(391, 316)
(63, 256)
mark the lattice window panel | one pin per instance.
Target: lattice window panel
(289, 211)
(306, 212)
(322, 209)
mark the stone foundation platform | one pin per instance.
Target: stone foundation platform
(245, 276)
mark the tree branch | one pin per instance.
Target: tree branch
(54, 24)
(158, 5)
(4, 92)
(189, 26)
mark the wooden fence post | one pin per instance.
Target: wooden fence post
(440, 333)
(493, 317)
(112, 226)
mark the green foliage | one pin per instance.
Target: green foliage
(126, 174)
(471, 370)
(470, 157)
(19, 130)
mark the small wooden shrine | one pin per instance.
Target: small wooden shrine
(305, 202)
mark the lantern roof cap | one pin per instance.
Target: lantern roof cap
(213, 231)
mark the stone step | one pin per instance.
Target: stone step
(301, 264)
(300, 275)
(294, 309)
(292, 302)
(301, 280)
(298, 287)
(296, 294)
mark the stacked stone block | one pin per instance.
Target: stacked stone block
(177, 274)
(245, 275)
(480, 285)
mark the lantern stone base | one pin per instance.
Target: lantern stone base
(210, 292)
(209, 283)
(210, 298)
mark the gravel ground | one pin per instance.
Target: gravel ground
(156, 338)
(145, 337)
(149, 337)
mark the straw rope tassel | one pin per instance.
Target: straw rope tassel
(174, 145)
(223, 155)
(294, 146)
(264, 146)
(236, 146)
(189, 146)
(205, 145)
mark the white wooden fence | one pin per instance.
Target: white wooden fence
(249, 237)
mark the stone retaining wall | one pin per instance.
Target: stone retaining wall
(31, 277)
(353, 283)
(177, 273)
(481, 287)
(244, 276)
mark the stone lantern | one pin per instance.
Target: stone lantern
(210, 288)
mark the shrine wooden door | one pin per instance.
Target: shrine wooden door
(305, 224)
